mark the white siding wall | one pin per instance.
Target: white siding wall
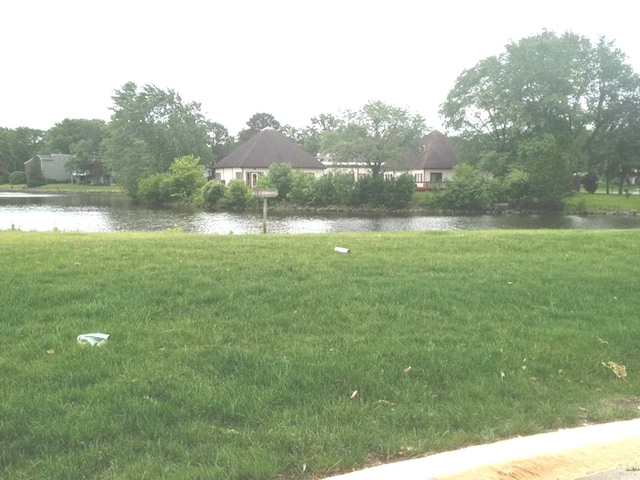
(248, 175)
(422, 177)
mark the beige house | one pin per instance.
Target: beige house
(431, 164)
(252, 159)
(52, 166)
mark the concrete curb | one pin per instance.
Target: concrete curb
(506, 452)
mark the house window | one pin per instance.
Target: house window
(388, 176)
(417, 177)
(252, 178)
(238, 175)
(436, 177)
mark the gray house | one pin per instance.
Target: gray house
(52, 166)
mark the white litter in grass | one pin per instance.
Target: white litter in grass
(341, 250)
(93, 339)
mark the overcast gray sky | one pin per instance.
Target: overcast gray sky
(294, 59)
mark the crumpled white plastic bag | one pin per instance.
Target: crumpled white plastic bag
(93, 339)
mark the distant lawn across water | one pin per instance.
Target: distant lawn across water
(599, 202)
(272, 356)
(64, 187)
(603, 202)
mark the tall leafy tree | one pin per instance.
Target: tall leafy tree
(83, 140)
(547, 107)
(221, 144)
(6, 155)
(62, 137)
(616, 106)
(374, 135)
(310, 137)
(291, 132)
(17, 146)
(150, 128)
(221, 141)
(257, 122)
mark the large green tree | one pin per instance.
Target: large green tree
(62, 137)
(83, 140)
(257, 122)
(17, 146)
(150, 128)
(373, 135)
(310, 137)
(221, 144)
(221, 141)
(547, 106)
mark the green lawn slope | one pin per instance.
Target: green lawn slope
(272, 356)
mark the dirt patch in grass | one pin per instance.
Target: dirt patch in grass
(626, 403)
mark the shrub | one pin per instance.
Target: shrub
(517, 189)
(236, 195)
(334, 189)
(324, 191)
(281, 177)
(187, 177)
(302, 188)
(370, 190)
(155, 189)
(212, 193)
(398, 192)
(345, 188)
(468, 190)
(590, 182)
(17, 178)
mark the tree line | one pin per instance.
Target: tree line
(547, 108)
(523, 122)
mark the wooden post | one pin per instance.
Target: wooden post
(264, 214)
(267, 193)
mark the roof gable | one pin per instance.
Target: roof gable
(436, 153)
(267, 147)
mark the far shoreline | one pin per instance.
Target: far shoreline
(288, 208)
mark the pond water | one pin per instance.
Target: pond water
(116, 213)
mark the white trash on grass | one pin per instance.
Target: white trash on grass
(93, 339)
(341, 250)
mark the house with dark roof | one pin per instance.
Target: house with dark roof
(431, 164)
(253, 158)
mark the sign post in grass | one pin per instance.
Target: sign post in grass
(265, 193)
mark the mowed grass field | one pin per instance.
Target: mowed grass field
(268, 356)
(602, 202)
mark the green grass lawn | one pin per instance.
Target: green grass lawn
(237, 357)
(602, 202)
(67, 187)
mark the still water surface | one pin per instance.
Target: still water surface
(115, 213)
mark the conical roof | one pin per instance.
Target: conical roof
(437, 153)
(266, 147)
